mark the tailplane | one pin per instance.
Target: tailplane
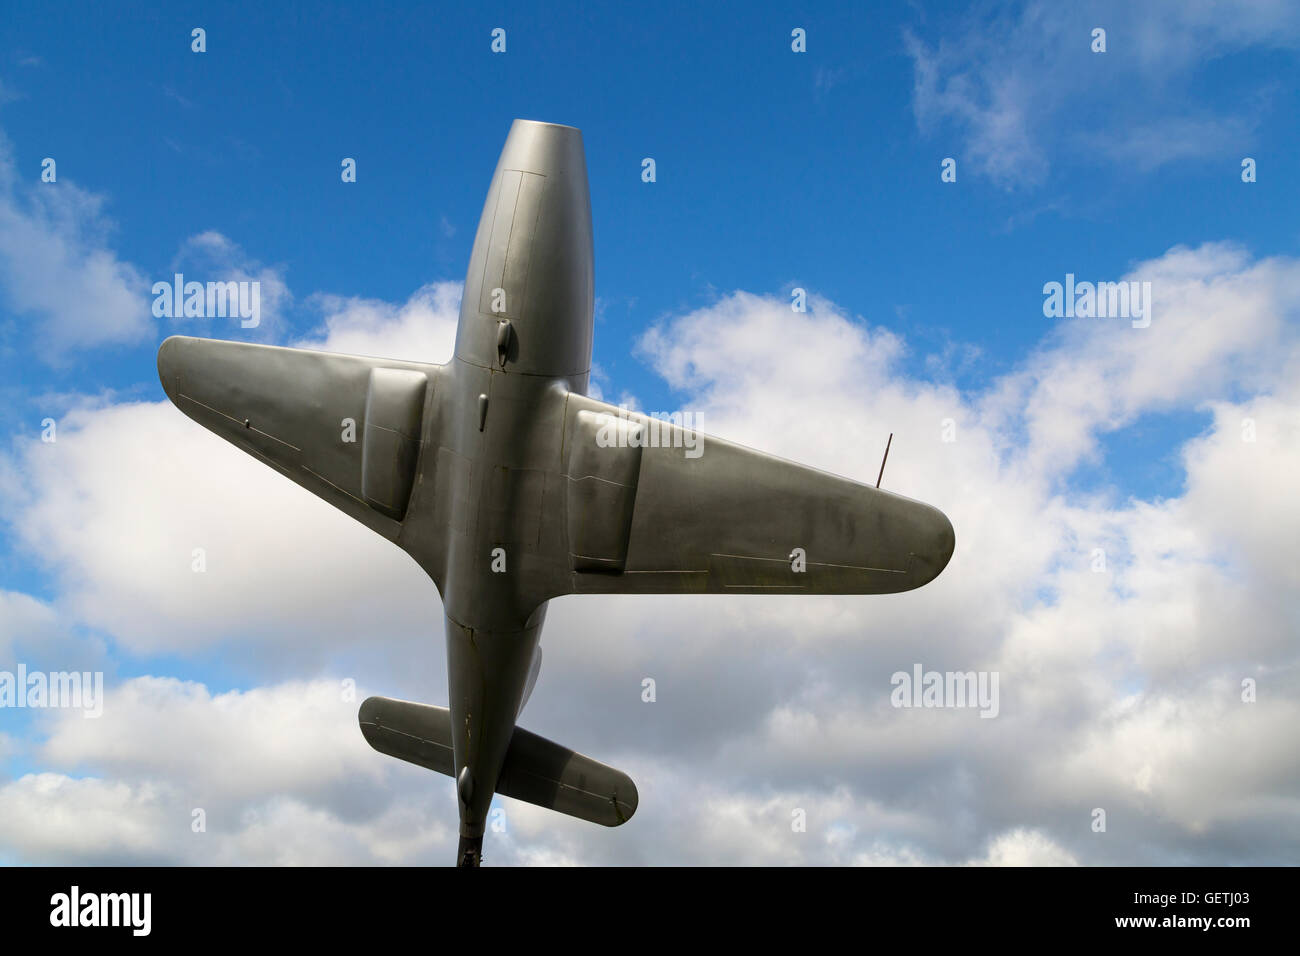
(536, 770)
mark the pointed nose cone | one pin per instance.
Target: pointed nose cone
(544, 148)
(532, 263)
(935, 543)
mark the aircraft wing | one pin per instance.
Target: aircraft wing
(345, 427)
(647, 513)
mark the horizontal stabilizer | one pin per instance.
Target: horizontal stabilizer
(536, 770)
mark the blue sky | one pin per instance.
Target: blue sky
(775, 169)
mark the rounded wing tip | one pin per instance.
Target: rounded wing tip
(937, 546)
(168, 356)
(947, 542)
(626, 800)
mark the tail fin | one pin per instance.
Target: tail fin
(536, 770)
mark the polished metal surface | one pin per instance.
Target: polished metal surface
(498, 475)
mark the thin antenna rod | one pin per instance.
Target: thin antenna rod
(885, 459)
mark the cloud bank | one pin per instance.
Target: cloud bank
(1121, 688)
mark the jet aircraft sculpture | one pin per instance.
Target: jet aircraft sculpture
(509, 486)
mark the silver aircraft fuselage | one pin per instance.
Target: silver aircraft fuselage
(531, 274)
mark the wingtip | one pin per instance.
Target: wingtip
(168, 363)
(625, 802)
(940, 544)
(948, 542)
